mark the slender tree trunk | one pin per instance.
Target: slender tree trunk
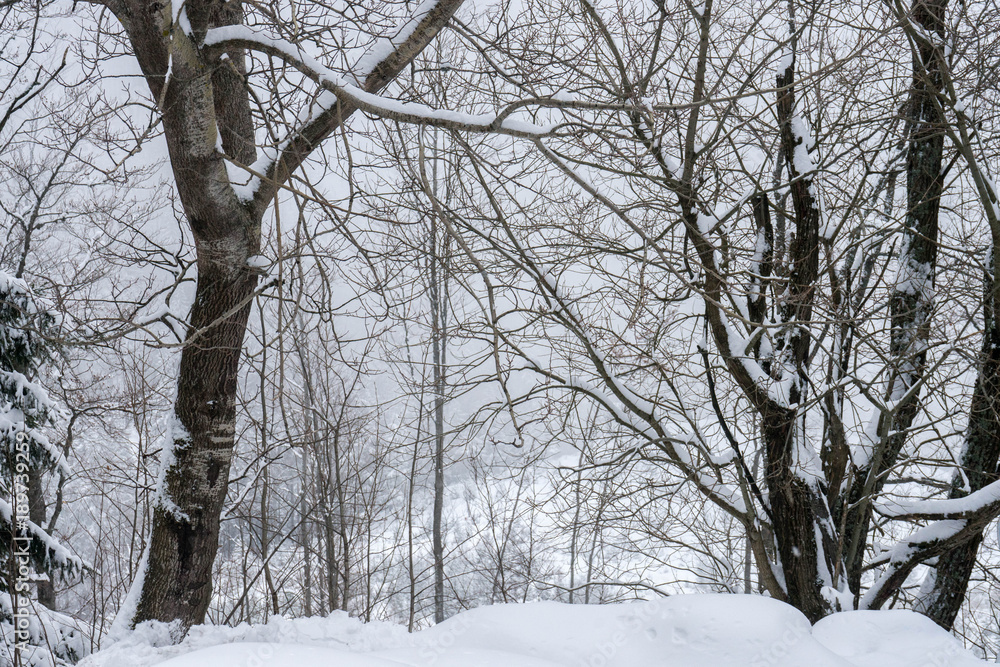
(265, 486)
(911, 302)
(410, 492)
(803, 528)
(437, 264)
(575, 531)
(36, 512)
(305, 539)
(342, 514)
(265, 544)
(311, 437)
(438, 343)
(332, 578)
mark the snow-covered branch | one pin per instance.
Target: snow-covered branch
(986, 500)
(960, 520)
(229, 37)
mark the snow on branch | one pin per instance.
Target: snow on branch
(958, 521)
(218, 40)
(985, 499)
(39, 542)
(386, 46)
(902, 557)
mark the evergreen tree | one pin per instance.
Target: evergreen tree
(30, 634)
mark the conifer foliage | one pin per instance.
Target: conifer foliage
(30, 634)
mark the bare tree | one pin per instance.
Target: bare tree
(716, 194)
(193, 57)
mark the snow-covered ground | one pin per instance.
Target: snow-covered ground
(680, 631)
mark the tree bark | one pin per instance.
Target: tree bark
(439, 342)
(978, 467)
(802, 525)
(199, 105)
(204, 102)
(182, 547)
(911, 301)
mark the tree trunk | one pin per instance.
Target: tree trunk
(978, 467)
(204, 102)
(198, 110)
(438, 342)
(802, 525)
(185, 536)
(304, 537)
(36, 512)
(911, 302)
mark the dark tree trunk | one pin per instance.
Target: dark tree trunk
(800, 514)
(185, 536)
(911, 301)
(36, 512)
(802, 526)
(203, 99)
(196, 111)
(978, 467)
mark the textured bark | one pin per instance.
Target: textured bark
(203, 99)
(761, 271)
(199, 103)
(978, 468)
(801, 519)
(802, 526)
(910, 305)
(800, 515)
(36, 512)
(182, 548)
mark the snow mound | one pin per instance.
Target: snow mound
(680, 631)
(685, 630)
(151, 644)
(255, 654)
(892, 638)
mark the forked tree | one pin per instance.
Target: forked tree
(193, 56)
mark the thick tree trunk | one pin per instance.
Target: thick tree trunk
(800, 517)
(198, 110)
(911, 301)
(204, 103)
(184, 540)
(978, 468)
(803, 531)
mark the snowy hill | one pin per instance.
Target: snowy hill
(681, 631)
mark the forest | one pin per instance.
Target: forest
(388, 310)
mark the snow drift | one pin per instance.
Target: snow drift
(680, 631)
